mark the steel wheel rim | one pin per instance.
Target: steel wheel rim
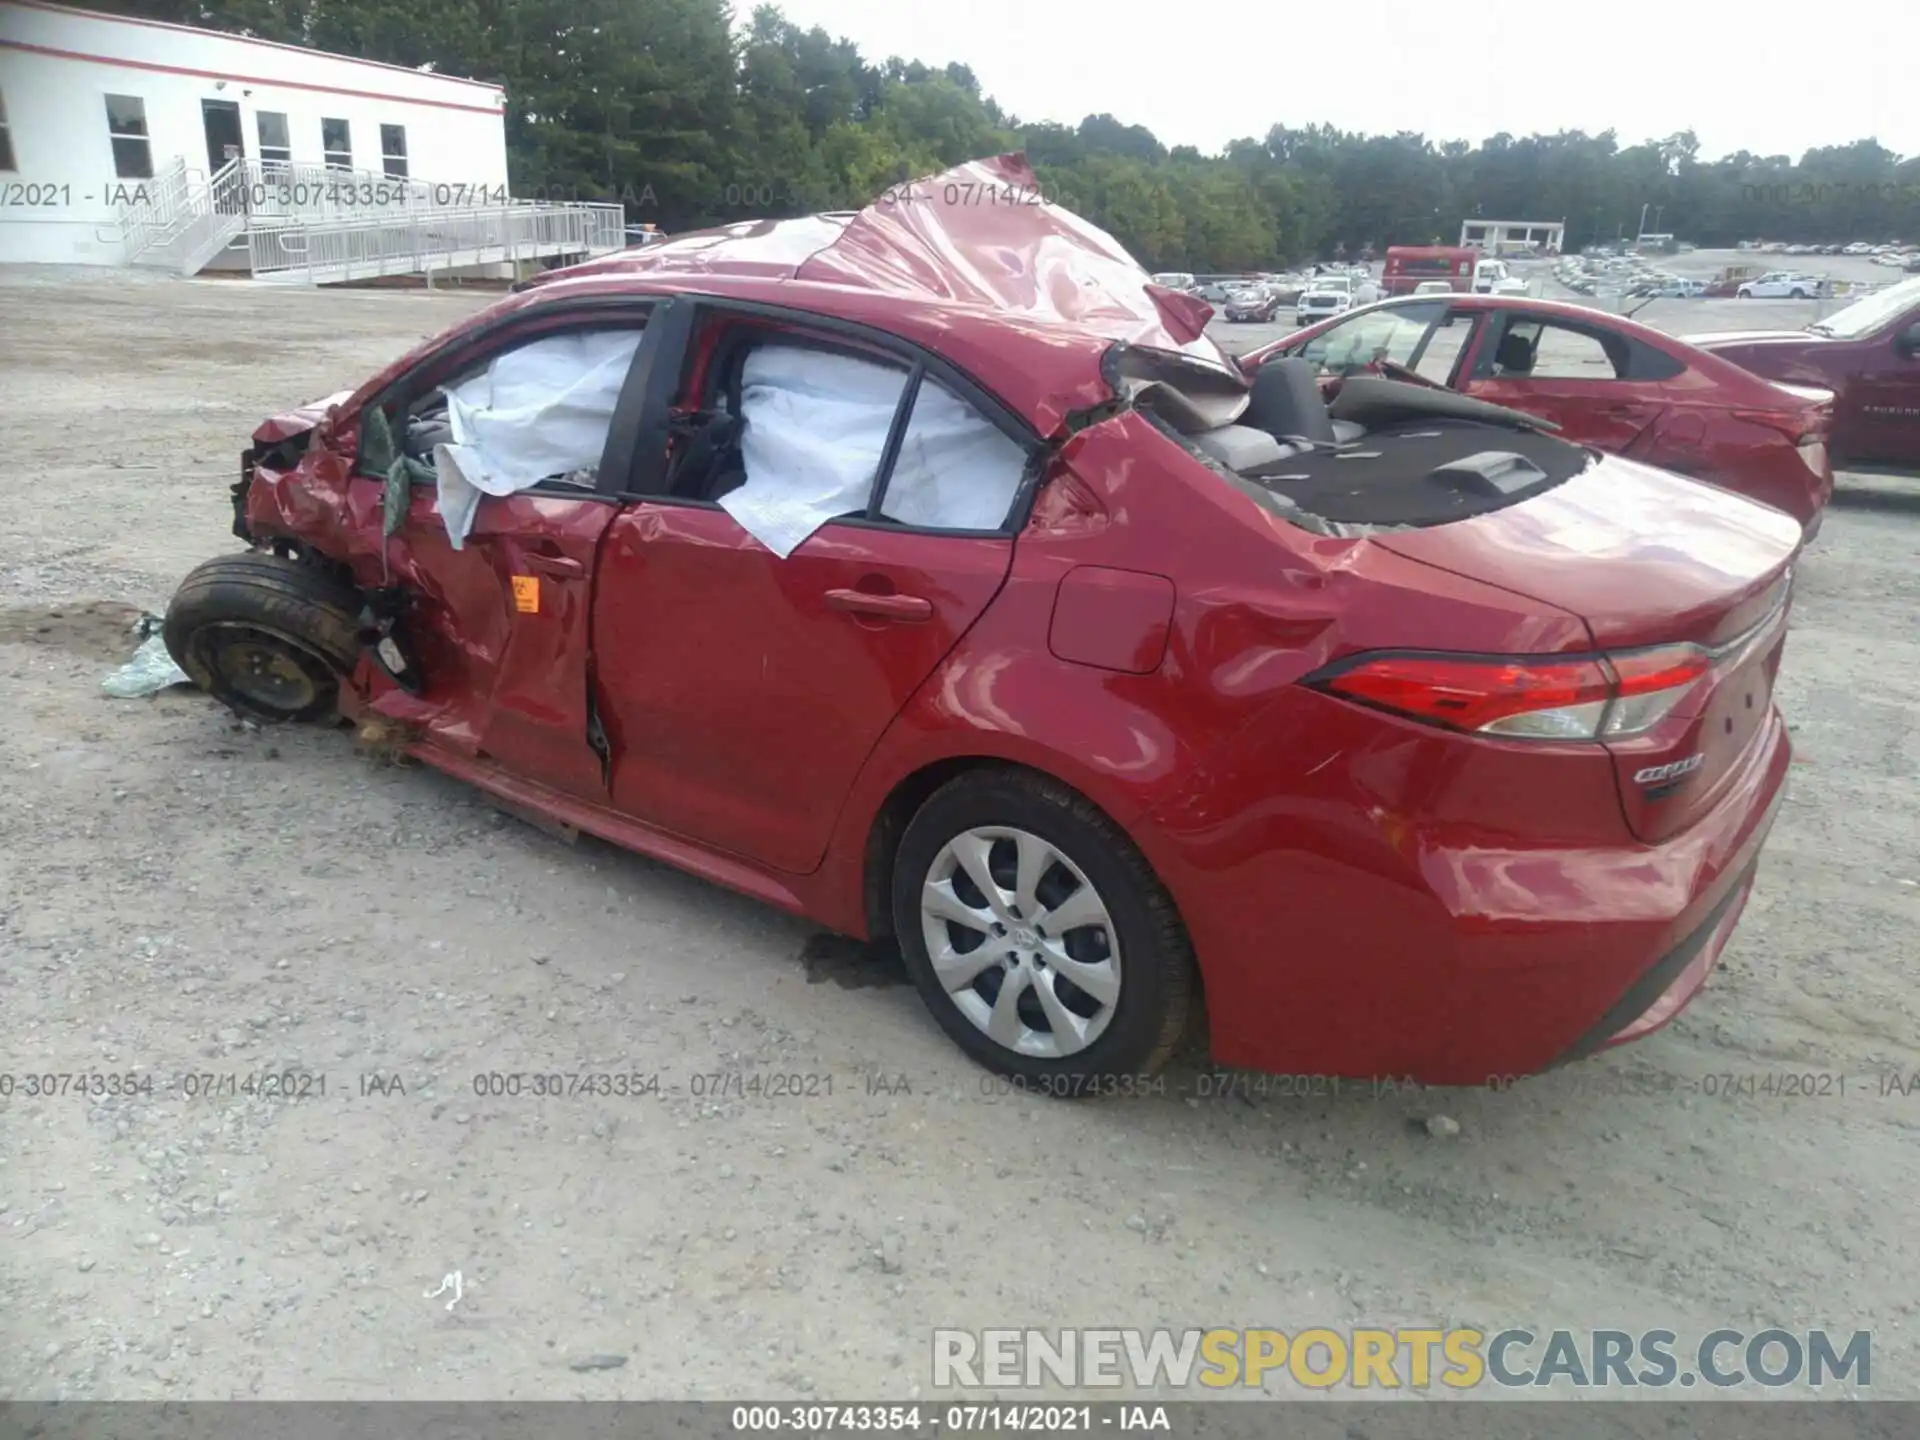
(1021, 941)
(262, 668)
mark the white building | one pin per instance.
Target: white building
(1496, 236)
(116, 137)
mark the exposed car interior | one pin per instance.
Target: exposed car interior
(1515, 354)
(1383, 453)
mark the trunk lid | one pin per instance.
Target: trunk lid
(1648, 559)
(1715, 339)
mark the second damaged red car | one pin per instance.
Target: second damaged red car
(929, 573)
(1604, 380)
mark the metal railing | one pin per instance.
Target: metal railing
(219, 214)
(359, 247)
(154, 218)
(324, 223)
(301, 190)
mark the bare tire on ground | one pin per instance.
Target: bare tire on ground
(266, 636)
(1038, 935)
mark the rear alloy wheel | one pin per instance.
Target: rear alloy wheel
(268, 637)
(1037, 934)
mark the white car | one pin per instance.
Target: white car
(1433, 287)
(1491, 277)
(1325, 295)
(1781, 285)
(1859, 247)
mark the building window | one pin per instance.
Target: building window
(6, 139)
(275, 147)
(127, 124)
(336, 143)
(393, 150)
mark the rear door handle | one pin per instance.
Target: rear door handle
(886, 607)
(559, 567)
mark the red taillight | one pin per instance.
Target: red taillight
(1602, 697)
(1649, 684)
(1470, 694)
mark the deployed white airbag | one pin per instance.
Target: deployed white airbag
(956, 471)
(535, 413)
(816, 430)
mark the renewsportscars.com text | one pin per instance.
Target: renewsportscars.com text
(1405, 1358)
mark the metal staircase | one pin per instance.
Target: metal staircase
(307, 224)
(186, 218)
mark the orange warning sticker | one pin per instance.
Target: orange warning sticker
(526, 594)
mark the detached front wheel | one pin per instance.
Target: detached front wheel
(1038, 935)
(266, 636)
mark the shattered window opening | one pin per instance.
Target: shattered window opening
(531, 414)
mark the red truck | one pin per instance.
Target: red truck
(1868, 355)
(1408, 265)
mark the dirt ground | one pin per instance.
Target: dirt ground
(183, 896)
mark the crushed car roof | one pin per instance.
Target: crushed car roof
(973, 263)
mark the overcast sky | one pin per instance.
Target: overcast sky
(1767, 78)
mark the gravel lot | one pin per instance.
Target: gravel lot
(180, 895)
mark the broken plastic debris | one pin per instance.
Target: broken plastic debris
(151, 669)
(450, 1281)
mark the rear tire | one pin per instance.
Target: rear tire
(1049, 854)
(267, 637)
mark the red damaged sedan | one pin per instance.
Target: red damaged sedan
(929, 573)
(1604, 380)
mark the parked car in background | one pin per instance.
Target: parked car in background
(1868, 355)
(1086, 694)
(1727, 283)
(1492, 277)
(1780, 285)
(1669, 287)
(1434, 287)
(1605, 380)
(1258, 303)
(1176, 280)
(1324, 295)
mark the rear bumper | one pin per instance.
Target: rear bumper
(1670, 983)
(1344, 937)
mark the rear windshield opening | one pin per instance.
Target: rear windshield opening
(1420, 473)
(1384, 454)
